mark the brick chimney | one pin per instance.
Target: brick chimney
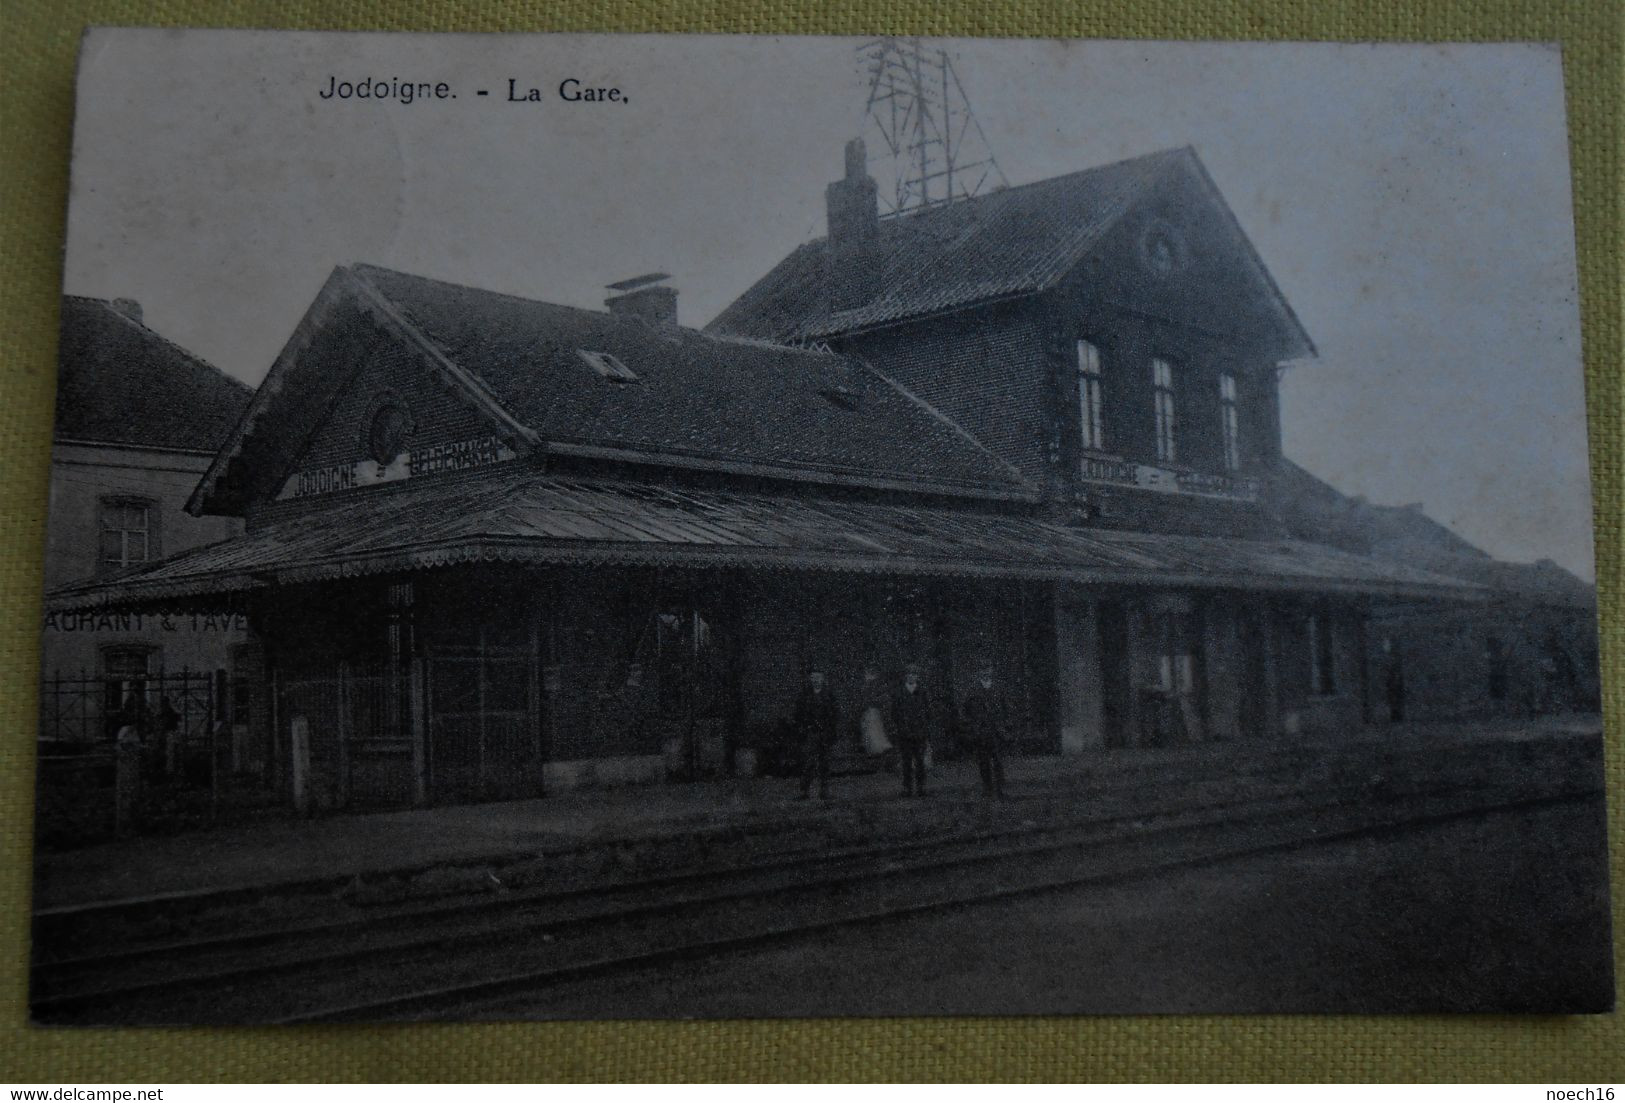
(853, 214)
(645, 297)
(852, 203)
(129, 308)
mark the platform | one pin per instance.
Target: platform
(287, 852)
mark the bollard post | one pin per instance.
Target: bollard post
(126, 781)
(418, 690)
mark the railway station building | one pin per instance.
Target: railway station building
(1529, 648)
(495, 546)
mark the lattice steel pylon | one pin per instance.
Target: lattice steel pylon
(931, 148)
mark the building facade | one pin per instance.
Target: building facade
(1114, 336)
(494, 546)
(138, 419)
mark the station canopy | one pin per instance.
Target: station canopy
(534, 518)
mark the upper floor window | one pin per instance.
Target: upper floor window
(1090, 421)
(1162, 380)
(1228, 422)
(128, 533)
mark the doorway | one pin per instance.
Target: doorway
(483, 726)
(1116, 699)
(482, 655)
(1253, 707)
(696, 700)
(1393, 680)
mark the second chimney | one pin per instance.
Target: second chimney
(853, 209)
(852, 203)
(645, 297)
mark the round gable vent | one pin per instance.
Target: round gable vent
(387, 431)
(1162, 248)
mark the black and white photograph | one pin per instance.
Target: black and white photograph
(728, 527)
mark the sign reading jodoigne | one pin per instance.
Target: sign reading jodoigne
(431, 459)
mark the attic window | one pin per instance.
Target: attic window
(608, 366)
(843, 396)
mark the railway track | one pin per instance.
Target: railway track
(104, 931)
(485, 999)
(424, 961)
(76, 939)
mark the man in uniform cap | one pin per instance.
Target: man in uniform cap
(911, 730)
(987, 727)
(817, 723)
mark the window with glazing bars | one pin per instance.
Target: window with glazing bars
(124, 673)
(1091, 424)
(1227, 414)
(127, 535)
(1162, 380)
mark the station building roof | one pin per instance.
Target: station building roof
(527, 517)
(1406, 534)
(1002, 244)
(553, 378)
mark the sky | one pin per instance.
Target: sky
(1413, 203)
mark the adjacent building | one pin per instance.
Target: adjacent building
(138, 420)
(1528, 649)
(494, 545)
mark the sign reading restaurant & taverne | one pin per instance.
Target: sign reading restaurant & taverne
(432, 459)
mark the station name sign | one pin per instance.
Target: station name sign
(431, 459)
(1165, 480)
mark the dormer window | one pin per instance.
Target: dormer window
(841, 395)
(1228, 423)
(1091, 425)
(1162, 383)
(608, 366)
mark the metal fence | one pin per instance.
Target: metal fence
(359, 748)
(180, 708)
(134, 753)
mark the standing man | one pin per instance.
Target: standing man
(911, 730)
(817, 723)
(987, 727)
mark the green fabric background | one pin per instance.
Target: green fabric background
(38, 39)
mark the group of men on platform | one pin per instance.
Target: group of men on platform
(907, 720)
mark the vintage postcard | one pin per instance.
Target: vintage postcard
(656, 527)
